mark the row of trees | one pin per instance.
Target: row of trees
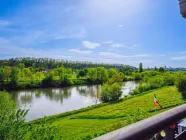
(13, 74)
(48, 63)
(59, 76)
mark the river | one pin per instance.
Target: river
(50, 101)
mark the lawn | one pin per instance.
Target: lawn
(95, 121)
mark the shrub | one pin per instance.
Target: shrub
(137, 76)
(6, 104)
(49, 78)
(12, 126)
(169, 80)
(181, 85)
(153, 82)
(111, 92)
(67, 81)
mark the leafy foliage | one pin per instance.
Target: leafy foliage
(2, 75)
(161, 69)
(111, 91)
(13, 126)
(155, 80)
(14, 77)
(48, 80)
(47, 63)
(6, 104)
(140, 67)
(181, 85)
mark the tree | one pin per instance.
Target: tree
(112, 91)
(112, 72)
(27, 74)
(14, 77)
(81, 73)
(39, 75)
(116, 78)
(140, 67)
(61, 73)
(48, 80)
(2, 75)
(181, 85)
(102, 74)
(7, 70)
(67, 81)
(21, 66)
(137, 76)
(161, 69)
(92, 74)
(155, 68)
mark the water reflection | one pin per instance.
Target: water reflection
(44, 102)
(129, 87)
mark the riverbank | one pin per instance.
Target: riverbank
(97, 120)
(38, 84)
(55, 84)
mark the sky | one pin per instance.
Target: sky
(101, 31)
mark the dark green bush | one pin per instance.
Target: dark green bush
(181, 85)
(111, 92)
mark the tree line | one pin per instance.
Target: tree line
(48, 63)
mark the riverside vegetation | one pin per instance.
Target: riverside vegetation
(24, 73)
(96, 120)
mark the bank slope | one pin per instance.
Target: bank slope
(94, 122)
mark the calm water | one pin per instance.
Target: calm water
(45, 102)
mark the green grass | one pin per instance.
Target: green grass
(97, 120)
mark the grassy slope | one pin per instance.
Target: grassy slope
(97, 121)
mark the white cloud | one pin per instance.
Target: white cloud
(136, 46)
(90, 45)
(120, 26)
(179, 58)
(10, 50)
(79, 51)
(116, 55)
(117, 46)
(110, 55)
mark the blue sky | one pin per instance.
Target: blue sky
(105, 31)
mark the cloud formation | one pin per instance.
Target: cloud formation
(117, 45)
(90, 45)
(79, 51)
(116, 55)
(179, 58)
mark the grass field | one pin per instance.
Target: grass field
(95, 121)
